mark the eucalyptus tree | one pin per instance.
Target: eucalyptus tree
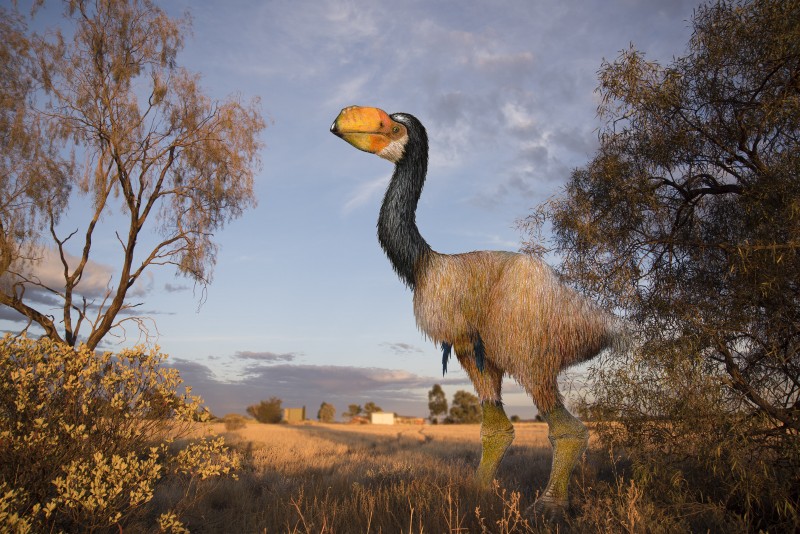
(687, 221)
(326, 413)
(127, 131)
(437, 403)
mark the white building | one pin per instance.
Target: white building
(381, 418)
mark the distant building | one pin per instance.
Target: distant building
(358, 420)
(409, 420)
(294, 415)
(381, 418)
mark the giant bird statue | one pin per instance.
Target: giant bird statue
(500, 312)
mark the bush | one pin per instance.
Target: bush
(685, 223)
(326, 413)
(466, 408)
(85, 437)
(234, 421)
(267, 411)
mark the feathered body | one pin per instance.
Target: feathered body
(531, 326)
(501, 312)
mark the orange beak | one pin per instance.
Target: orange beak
(367, 129)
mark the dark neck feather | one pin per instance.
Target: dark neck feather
(397, 226)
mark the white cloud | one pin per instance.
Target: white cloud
(350, 21)
(47, 270)
(349, 92)
(492, 61)
(517, 117)
(310, 385)
(365, 192)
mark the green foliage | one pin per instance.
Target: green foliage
(466, 408)
(233, 422)
(80, 449)
(371, 407)
(686, 222)
(326, 413)
(268, 411)
(353, 410)
(437, 403)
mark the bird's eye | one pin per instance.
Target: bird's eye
(395, 129)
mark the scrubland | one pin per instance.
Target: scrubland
(349, 479)
(94, 442)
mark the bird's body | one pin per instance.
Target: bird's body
(500, 312)
(515, 304)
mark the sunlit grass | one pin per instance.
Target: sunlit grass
(400, 478)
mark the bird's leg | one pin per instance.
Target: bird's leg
(569, 438)
(497, 433)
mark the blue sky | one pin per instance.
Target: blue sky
(304, 305)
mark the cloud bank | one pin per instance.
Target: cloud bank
(310, 385)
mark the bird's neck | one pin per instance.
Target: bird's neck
(397, 226)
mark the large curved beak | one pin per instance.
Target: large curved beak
(367, 129)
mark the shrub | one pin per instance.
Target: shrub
(267, 411)
(466, 408)
(234, 421)
(326, 413)
(86, 437)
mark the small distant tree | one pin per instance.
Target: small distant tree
(466, 408)
(371, 407)
(326, 413)
(353, 410)
(437, 403)
(268, 411)
(515, 418)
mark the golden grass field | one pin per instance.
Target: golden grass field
(371, 478)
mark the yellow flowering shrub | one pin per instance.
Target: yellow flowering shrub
(85, 438)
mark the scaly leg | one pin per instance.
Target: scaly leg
(569, 438)
(497, 433)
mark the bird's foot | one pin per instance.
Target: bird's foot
(551, 508)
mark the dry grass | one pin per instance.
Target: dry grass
(401, 478)
(318, 478)
(322, 478)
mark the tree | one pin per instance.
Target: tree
(268, 411)
(371, 407)
(353, 410)
(686, 222)
(437, 403)
(326, 413)
(466, 408)
(147, 144)
(32, 173)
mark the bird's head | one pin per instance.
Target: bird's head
(372, 130)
